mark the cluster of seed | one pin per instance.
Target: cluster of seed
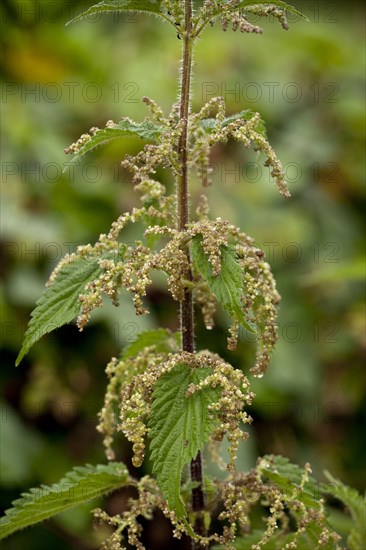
(265, 11)
(130, 267)
(245, 490)
(203, 208)
(214, 235)
(67, 259)
(277, 172)
(85, 138)
(232, 340)
(229, 12)
(199, 156)
(239, 495)
(126, 526)
(75, 147)
(135, 407)
(234, 395)
(237, 500)
(146, 161)
(207, 302)
(156, 111)
(119, 372)
(134, 216)
(135, 276)
(162, 154)
(245, 130)
(135, 403)
(121, 266)
(107, 425)
(260, 302)
(132, 273)
(141, 166)
(211, 9)
(260, 297)
(239, 21)
(280, 501)
(151, 190)
(215, 103)
(173, 259)
(204, 170)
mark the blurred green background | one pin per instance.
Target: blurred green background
(57, 82)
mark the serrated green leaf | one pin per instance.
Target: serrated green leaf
(179, 428)
(287, 476)
(357, 507)
(228, 285)
(163, 340)
(80, 485)
(212, 124)
(125, 128)
(59, 303)
(113, 6)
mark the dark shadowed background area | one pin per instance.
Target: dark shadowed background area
(57, 82)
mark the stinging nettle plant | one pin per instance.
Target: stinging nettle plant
(162, 393)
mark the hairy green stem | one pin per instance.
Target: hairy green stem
(186, 308)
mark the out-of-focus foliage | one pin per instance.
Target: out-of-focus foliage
(59, 82)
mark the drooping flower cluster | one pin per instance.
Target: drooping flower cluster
(246, 128)
(129, 394)
(260, 297)
(130, 267)
(126, 525)
(229, 409)
(287, 512)
(234, 13)
(121, 373)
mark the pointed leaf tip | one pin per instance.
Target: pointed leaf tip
(59, 304)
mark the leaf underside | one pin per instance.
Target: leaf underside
(59, 304)
(113, 6)
(227, 287)
(78, 486)
(179, 427)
